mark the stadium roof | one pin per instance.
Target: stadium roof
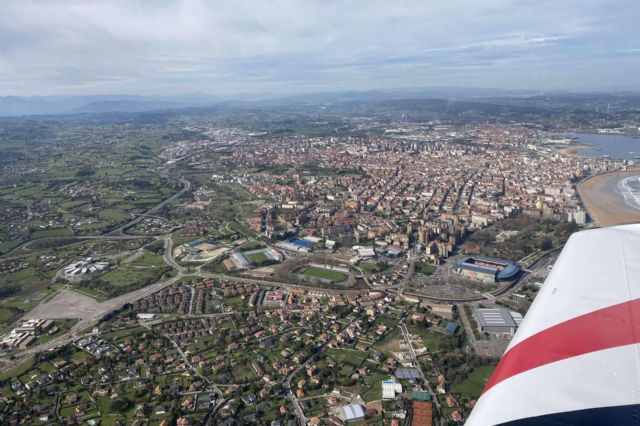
(574, 359)
(509, 270)
(302, 243)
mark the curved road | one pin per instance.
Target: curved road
(116, 234)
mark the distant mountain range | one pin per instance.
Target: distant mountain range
(11, 106)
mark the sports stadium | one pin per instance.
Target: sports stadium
(488, 269)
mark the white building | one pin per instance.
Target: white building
(391, 389)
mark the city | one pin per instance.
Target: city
(374, 274)
(306, 213)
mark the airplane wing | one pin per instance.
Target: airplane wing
(575, 360)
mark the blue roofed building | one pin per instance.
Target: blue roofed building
(488, 269)
(451, 328)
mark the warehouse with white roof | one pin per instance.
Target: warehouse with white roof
(352, 412)
(497, 320)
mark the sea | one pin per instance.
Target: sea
(619, 147)
(629, 187)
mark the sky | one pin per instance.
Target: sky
(220, 47)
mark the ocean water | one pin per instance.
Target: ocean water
(616, 146)
(629, 187)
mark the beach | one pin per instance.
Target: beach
(604, 202)
(574, 149)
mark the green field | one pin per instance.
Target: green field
(323, 273)
(433, 340)
(257, 258)
(236, 302)
(369, 267)
(8, 314)
(425, 268)
(55, 232)
(96, 293)
(124, 277)
(475, 382)
(345, 356)
(63, 326)
(113, 215)
(7, 246)
(19, 370)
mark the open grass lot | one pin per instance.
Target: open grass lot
(369, 267)
(347, 356)
(124, 277)
(126, 274)
(96, 293)
(179, 240)
(433, 340)
(237, 302)
(373, 389)
(323, 273)
(62, 325)
(472, 386)
(425, 268)
(117, 336)
(56, 232)
(6, 314)
(390, 342)
(113, 215)
(19, 369)
(7, 246)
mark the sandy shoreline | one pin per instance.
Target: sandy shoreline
(603, 201)
(574, 150)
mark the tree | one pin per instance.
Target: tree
(119, 404)
(545, 244)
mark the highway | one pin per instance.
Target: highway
(186, 185)
(116, 234)
(168, 254)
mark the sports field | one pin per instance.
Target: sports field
(323, 273)
(257, 258)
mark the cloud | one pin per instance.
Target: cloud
(280, 46)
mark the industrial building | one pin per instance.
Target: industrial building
(26, 333)
(199, 250)
(85, 267)
(497, 320)
(487, 269)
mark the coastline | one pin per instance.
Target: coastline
(574, 150)
(603, 201)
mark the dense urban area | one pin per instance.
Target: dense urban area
(293, 263)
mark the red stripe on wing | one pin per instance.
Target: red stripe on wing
(606, 328)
